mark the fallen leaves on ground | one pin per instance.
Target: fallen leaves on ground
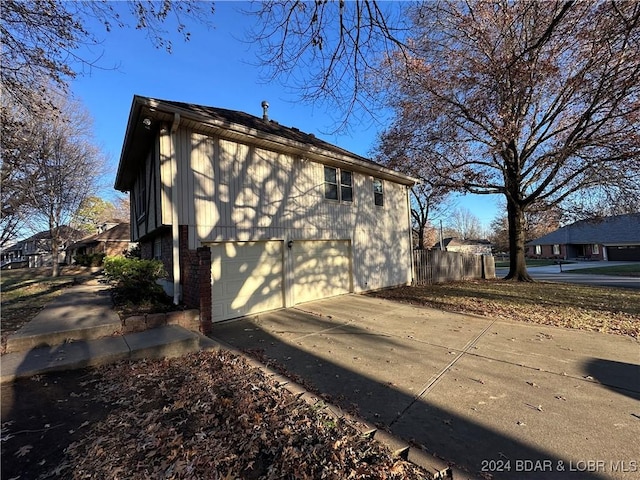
(211, 415)
(599, 309)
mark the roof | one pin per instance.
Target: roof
(64, 230)
(453, 241)
(119, 233)
(234, 125)
(619, 229)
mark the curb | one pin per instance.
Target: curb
(439, 469)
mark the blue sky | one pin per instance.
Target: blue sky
(217, 67)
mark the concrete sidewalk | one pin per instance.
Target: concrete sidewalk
(79, 329)
(496, 398)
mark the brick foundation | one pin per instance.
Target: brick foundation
(189, 319)
(195, 266)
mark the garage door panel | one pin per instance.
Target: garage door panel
(321, 269)
(246, 278)
(629, 253)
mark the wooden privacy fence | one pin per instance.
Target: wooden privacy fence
(436, 266)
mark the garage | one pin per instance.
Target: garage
(624, 253)
(321, 268)
(246, 278)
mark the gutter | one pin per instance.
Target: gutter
(411, 266)
(328, 157)
(175, 223)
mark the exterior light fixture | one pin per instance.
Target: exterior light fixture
(290, 244)
(147, 123)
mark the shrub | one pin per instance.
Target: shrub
(89, 259)
(133, 252)
(135, 279)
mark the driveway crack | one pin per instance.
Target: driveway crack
(436, 378)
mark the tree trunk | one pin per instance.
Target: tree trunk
(420, 233)
(55, 270)
(517, 263)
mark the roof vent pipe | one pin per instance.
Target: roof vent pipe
(265, 110)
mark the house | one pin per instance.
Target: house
(12, 257)
(476, 247)
(35, 251)
(608, 238)
(112, 239)
(248, 215)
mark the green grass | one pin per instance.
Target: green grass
(619, 270)
(533, 262)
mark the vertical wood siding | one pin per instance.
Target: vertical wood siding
(148, 179)
(230, 191)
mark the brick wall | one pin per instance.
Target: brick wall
(195, 266)
(146, 250)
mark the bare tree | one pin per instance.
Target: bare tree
(329, 51)
(536, 101)
(539, 221)
(465, 225)
(427, 203)
(65, 165)
(122, 208)
(41, 38)
(14, 178)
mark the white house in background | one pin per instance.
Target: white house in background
(476, 247)
(249, 215)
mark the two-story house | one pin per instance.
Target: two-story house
(249, 215)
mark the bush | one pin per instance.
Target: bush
(135, 279)
(89, 259)
(133, 252)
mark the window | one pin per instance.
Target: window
(595, 249)
(538, 249)
(378, 193)
(338, 184)
(346, 186)
(556, 249)
(140, 199)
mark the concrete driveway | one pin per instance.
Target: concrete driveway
(497, 398)
(569, 273)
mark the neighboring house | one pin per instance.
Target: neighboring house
(113, 239)
(248, 215)
(608, 238)
(13, 257)
(35, 251)
(477, 247)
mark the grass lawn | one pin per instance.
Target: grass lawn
(600, 309)
(632, 270)
(26, 290)
(533, 262)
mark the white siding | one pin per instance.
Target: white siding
(235, 192)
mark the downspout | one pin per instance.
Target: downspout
(175, 223)
(410, 235)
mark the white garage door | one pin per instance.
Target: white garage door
(246, 278)
(321, 269)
